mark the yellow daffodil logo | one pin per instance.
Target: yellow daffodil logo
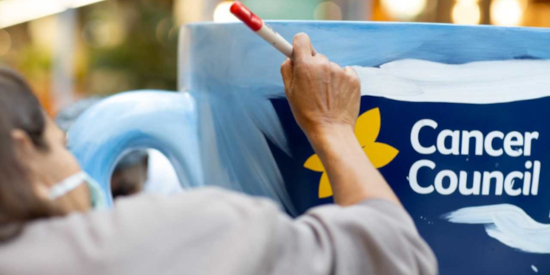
(367, 129)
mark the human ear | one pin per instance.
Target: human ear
(26, 153)
(23, 146)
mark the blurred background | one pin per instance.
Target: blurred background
(73, 49)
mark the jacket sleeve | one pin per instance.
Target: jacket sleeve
(212, 231)
(373, 237)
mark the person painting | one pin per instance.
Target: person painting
(47, 225)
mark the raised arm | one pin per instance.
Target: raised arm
(369, 232)
(325, 101)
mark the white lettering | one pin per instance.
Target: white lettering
(527, 178)
(536, 178)
(413, 173)
(456, 142)
(466, 142)
(415, 132)
(499, 178)
(509, 183)
(476, 184)
(453, 182)
(514, 143)
(455, 139)
(528, 139)
(513, 139)
(447, 182)
(489, 143)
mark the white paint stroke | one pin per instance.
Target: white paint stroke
(508, 224)
(475, 83)
(534, 268)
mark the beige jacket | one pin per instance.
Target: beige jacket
(211, 231)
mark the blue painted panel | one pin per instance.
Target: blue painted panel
(461, 249)
(230, 62)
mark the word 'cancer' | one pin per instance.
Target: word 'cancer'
(460, 141)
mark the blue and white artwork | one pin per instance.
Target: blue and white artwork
(455, 117)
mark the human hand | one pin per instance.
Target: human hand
(323, 96)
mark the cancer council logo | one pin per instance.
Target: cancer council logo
(367, 129)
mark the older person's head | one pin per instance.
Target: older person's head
(33, 158)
